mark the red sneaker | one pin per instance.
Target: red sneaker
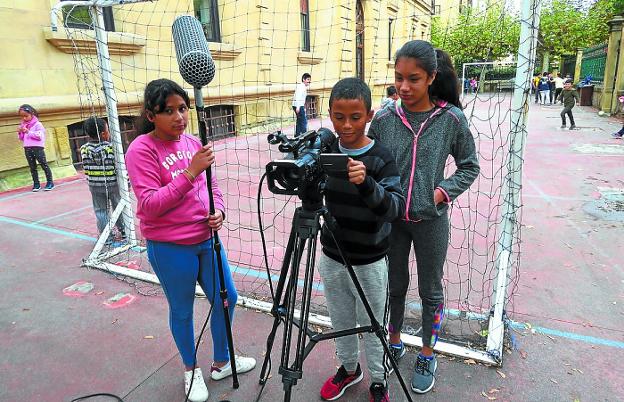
(336, 385)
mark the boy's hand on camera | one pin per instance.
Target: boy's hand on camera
(357, 171)
(201, 161)
(216, 221)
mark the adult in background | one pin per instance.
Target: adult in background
(558, 86)
(551, 88)
(32, 134)
(298, 104)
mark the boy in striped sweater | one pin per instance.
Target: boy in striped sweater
(363, 203)
(98, 162)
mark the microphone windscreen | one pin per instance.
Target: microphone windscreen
(194, 58)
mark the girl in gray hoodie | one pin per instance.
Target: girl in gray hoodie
(422, 129)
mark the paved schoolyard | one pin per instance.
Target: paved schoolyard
(571, 292)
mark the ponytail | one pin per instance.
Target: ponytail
(445, 87)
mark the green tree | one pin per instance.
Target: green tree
(478, 36)
(564, 27)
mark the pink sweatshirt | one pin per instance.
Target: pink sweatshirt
(35, 136)
(170, 207)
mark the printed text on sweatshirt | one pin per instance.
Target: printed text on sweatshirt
(170, 207)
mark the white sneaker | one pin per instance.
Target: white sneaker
(199, 393)
(243, 365)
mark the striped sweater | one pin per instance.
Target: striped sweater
(98, 162)
(364, 212)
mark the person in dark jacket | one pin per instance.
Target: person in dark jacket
(363, 203)
(570, 98)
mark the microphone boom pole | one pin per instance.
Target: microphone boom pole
(197, 68)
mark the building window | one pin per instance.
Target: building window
(220, 121)
(390, 23)
(79, 17)
(207, 12)
(311, 106)
(305, 26)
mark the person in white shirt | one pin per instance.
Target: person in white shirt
(558, 86)
(298, 104)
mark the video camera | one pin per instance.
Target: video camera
(305, 167)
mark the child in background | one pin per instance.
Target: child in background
(569, 97)
(363, 205)
(535, 85)
(544, 88)
(32, 134)
(619, 134)
(167, 171)
(98, 162)
(391, 95)
(421, 130)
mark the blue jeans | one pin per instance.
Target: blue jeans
(302, 120)
(100, 198)
(179, 268)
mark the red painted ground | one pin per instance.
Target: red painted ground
(55, 348)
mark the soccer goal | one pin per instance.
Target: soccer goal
(261, 49)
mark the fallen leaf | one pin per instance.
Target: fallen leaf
(523, 354)
(553, 380)
(500, 373)
(25, 309)
(551, 338)
(148, 337)
(470, 361)
(493, 391)
(490, 398)
(579, 371)
(99, 293)
(115, 321)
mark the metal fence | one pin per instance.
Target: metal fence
(593, 63)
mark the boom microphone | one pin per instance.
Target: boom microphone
(194, 58)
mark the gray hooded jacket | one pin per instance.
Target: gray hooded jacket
(421, 143)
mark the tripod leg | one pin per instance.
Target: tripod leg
(305, 303)
(277, 298)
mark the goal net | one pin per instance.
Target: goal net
(261, 49)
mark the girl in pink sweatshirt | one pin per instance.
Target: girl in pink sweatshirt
(167, 171)
(32, 135)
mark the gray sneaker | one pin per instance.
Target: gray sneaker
(397, 354)
(424, 374)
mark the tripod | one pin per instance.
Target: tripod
(304, 232)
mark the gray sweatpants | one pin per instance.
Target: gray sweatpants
(347, 311)
(430, 241)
